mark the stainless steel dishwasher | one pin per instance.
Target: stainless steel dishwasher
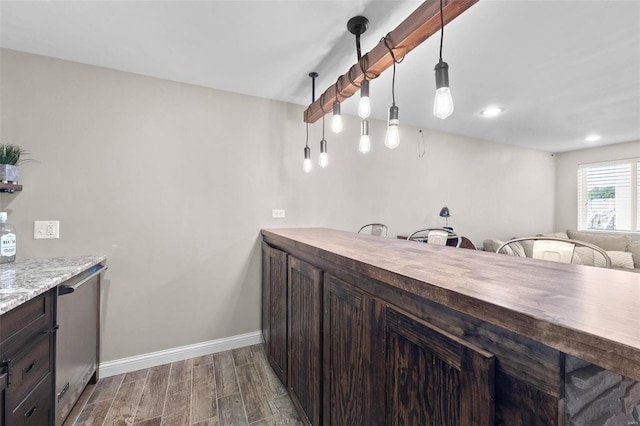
(77, 338)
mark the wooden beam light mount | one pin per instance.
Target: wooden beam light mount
(416, 28)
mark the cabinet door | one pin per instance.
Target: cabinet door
(434, 378)
(274, 309)
(305, 326)
(3, 386)
(351, 394)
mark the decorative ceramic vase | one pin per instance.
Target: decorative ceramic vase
(8, 173)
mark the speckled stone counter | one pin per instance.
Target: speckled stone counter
(23, 280)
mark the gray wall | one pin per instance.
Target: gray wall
(567, 181)
(173, 183)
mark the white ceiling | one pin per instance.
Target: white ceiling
(561, 69)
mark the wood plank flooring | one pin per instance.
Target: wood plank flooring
(236, 387)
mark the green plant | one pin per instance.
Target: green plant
(10, 154)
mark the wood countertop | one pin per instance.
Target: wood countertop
(591, 313)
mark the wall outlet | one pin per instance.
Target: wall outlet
(278, 213)
(46, 229)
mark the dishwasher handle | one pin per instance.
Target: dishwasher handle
(68, 289)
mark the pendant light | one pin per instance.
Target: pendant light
(336, 123)
(306, 165)
(364, 107)
(392, 138)
(443, 103)
(365, 143)
(307, 151)
(357, 26)
(323, 159)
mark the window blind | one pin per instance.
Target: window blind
(609, 196)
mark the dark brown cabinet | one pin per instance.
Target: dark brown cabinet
(26, 352)
(305, 327)
(434, 378)
(274, 309)
(354, 359)
(353, 383)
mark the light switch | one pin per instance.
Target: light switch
(278, 213)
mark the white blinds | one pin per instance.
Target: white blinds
(609, 196)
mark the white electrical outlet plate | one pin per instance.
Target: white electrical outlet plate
(46, 229)
(279, 213)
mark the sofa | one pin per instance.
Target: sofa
(623, 251)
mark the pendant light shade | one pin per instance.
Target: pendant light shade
(443, 103)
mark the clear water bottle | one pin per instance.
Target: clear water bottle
(7, 240)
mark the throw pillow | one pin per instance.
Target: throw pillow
(606, 242)
(619, 259)
(587, 256)
(516, 249)
(634, 249)
(491, 245)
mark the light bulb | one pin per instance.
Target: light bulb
(307, 159)
(323, 160)
(365, 143)
(336, 124)
(364, 107)
(443, 103)
(392, 139)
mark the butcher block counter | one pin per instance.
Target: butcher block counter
(552, 331)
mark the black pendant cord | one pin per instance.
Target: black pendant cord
(323, 113)
(441, 29)
(395, 61)
(313, 76)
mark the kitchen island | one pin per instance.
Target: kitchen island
(551, 343)
(48, 347)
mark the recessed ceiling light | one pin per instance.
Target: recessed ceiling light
(491, 112)
(592, 138)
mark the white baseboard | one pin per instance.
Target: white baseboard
(152, 359)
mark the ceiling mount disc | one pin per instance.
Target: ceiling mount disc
(358, 25)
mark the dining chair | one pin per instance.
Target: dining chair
(377, 229)
(437, 236)
(563, 250)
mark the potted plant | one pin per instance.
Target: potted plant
(9, 159)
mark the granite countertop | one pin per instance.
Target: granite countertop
(23, 280)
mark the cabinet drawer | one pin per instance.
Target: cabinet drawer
(36, 409)
(27, 369)
(27, 319)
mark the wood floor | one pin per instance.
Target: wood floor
(236, 387)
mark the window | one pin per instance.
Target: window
(609, 196)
